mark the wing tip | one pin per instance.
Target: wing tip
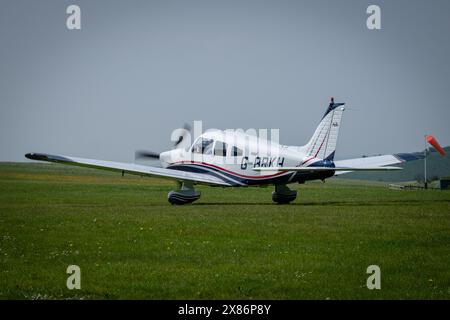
(46, 157)
(35, 156)
(405, 157)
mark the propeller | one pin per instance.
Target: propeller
(142, 154)
(183, 135)
(186, 131)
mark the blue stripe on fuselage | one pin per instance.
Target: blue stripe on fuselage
(236, 180)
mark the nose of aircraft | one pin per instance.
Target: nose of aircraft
(169, 157)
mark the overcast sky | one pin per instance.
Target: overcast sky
(139, 69)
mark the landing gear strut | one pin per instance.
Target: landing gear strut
(185, 194)
(283, 195)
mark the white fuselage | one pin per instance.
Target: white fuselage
(232, 156)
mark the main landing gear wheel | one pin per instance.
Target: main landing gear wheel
(186, 194)
(283, 195)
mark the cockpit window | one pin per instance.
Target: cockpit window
(203, 146)
(220, 149)
(236, 152)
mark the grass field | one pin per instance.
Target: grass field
(233, 243)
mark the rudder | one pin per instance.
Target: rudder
(323, 143)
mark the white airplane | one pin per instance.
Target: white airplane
(235, 159)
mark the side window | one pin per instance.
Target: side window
(236, 152)
(220, 149)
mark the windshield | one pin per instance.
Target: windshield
(203, 146)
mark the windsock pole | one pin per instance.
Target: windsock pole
(425, 164)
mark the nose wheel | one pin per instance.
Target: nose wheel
(186, 194)
(283, 195)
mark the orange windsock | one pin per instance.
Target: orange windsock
(431, 140)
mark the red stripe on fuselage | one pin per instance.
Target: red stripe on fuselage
(307, 160)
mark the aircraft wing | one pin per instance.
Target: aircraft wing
(378, 161)
(131, 168)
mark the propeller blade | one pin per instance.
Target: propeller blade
(142, 154)
(187, 128)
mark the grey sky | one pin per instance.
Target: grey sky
(139, 69)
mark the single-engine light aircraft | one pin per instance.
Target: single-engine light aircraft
(236, 159)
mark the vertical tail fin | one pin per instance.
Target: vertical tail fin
(323, 142)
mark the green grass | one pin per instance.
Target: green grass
(231, 244)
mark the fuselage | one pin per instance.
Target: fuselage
(232, 156)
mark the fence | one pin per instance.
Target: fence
(410, 187)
